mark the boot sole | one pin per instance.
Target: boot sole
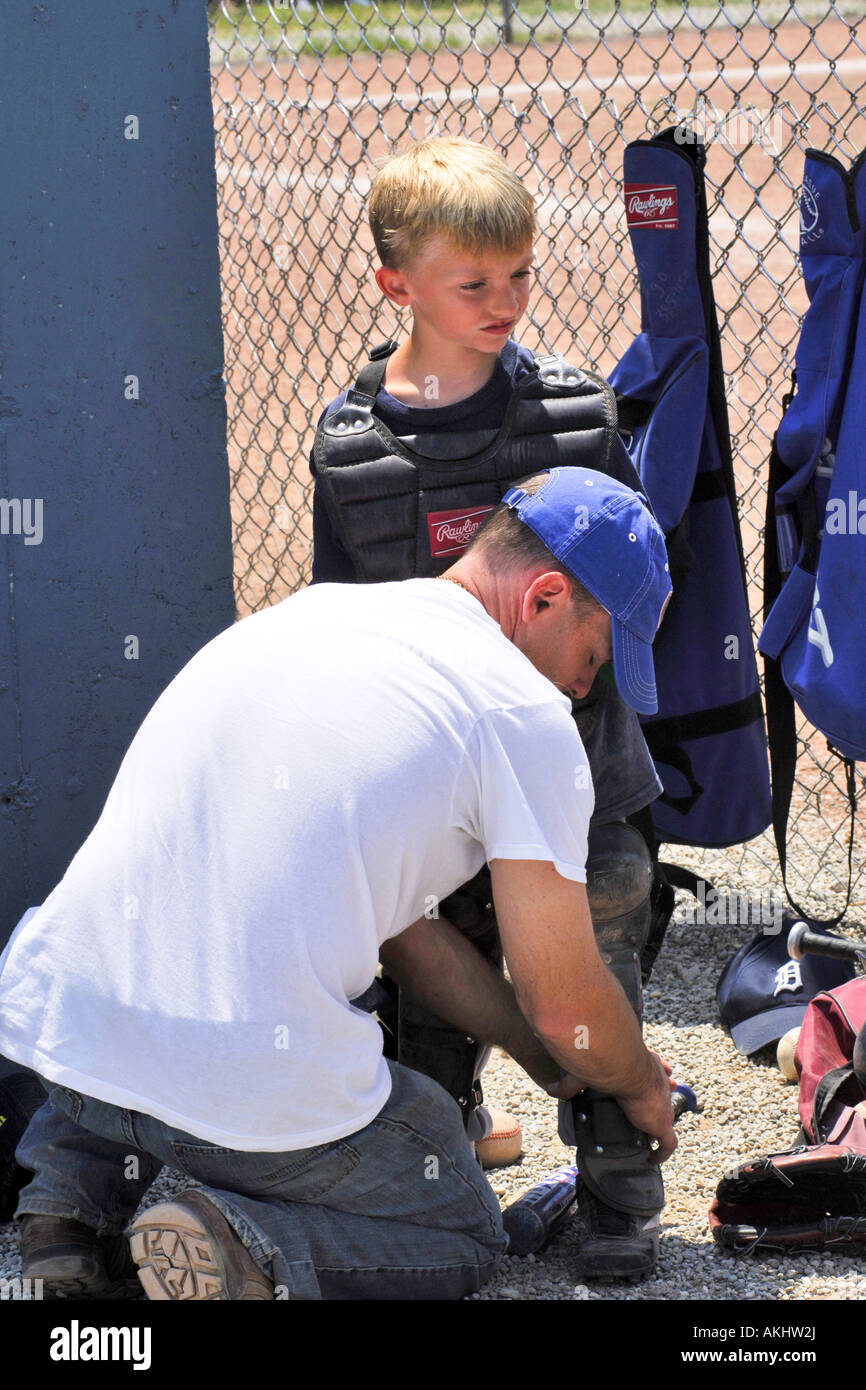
(89, 1289)
(181, 1255)
(612, 1267)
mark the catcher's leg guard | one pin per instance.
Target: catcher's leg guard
(427, 1044)
(621, 1187)
(662, 896)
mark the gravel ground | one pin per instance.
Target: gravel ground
(746, 1108)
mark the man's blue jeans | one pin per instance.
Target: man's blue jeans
(399, 1210)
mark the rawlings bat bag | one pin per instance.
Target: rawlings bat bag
(815, 559)
(813, 1195)
(707, 739)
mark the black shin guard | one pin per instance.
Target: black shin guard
(427, 1044)
(621, 1184)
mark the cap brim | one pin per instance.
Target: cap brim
(634, 670)
(754, 1033)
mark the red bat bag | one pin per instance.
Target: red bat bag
(812, 1196)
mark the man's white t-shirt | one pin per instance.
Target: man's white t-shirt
(310, 784)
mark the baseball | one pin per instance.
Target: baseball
(785, 1054)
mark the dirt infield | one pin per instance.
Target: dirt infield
(296, 147)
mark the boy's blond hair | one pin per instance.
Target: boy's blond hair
(451, 187)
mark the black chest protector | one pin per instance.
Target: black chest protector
(406, 507)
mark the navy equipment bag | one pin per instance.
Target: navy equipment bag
(814, 634)
(707, 739)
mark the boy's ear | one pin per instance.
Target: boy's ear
(393, 285)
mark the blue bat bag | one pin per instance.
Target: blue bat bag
(814, 634)
(708, 739)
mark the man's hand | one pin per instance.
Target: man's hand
(648, 1112)
(652, 1111)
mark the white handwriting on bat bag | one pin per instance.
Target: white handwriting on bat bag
(818, 635)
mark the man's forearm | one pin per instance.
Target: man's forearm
(600, 1041)
(571, 1000)
(451, 978)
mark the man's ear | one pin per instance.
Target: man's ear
(552, 587)
(393, 285)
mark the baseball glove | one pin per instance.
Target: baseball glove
(807, 1198)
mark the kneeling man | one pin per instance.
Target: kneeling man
(294, 805)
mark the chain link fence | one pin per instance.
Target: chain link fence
(307, 98)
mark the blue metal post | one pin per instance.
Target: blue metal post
(115, 541)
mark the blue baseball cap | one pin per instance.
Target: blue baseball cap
(762, 992)
(606, 535)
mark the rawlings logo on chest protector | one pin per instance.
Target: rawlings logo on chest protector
(451, 532)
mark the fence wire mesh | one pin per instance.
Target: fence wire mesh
(308, 97)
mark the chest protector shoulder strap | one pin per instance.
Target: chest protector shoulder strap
(407, 507)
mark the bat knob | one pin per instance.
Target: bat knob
(683, 1098)
(795, 940)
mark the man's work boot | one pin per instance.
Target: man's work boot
(72, 1261)
(620, 1189)
(614, 1245)
(21, 1095)
(186, 1250)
